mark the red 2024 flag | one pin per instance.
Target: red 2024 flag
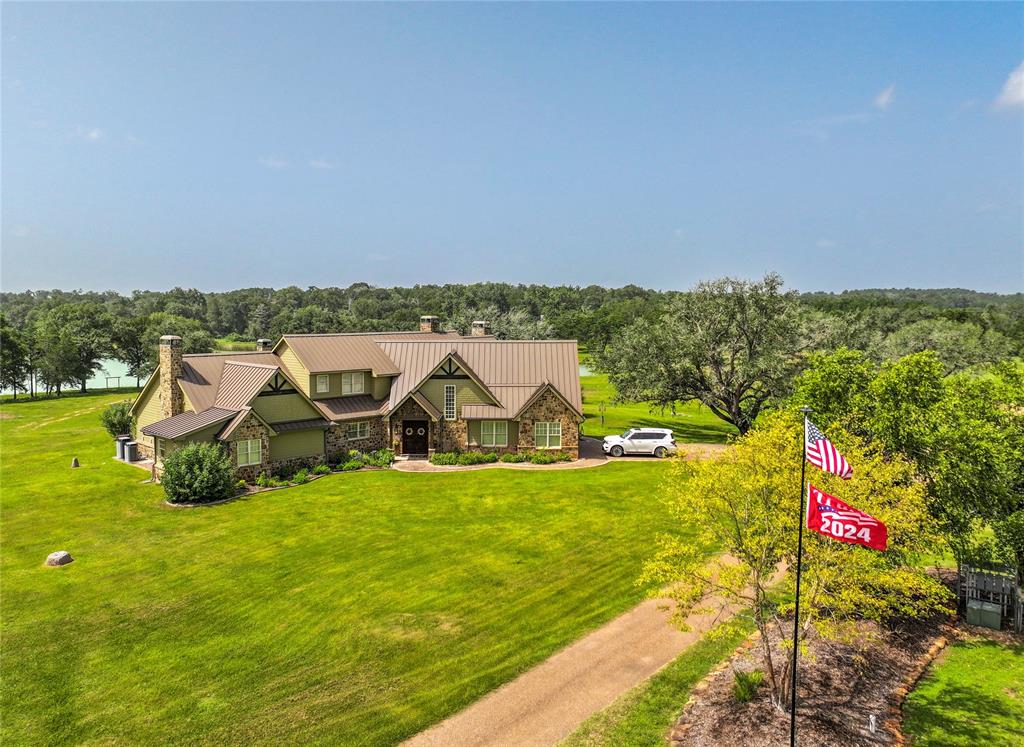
(829, 516)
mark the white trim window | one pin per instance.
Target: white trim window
(494, 433)
(249, 451)
(358, 430)
(547, 434)
(449, 402)
(352, 383)
(323, 383)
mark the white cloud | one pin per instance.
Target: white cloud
(273, 162)
(90, 134)
(825, 244)
(883, 99)
(320, 163)
(1012, 95)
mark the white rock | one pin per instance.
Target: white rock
(61, 557)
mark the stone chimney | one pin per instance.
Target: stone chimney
(430, 324)
(264, 345)
(172, 401)
(481, 328)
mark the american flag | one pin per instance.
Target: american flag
(821, 453)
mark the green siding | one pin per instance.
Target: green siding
(297, 444)
(473, 431)
(381, 387)
(294, 368)
(281, 408)
(334, 385)
(466, 393)
(148, 411)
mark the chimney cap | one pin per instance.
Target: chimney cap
(428, 316)
(481, 322)
(169, 339)
(264, 339)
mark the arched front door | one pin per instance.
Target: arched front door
(414, 436)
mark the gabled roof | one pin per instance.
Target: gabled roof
(188, 422)
(349, 408)
(201, 374)
(241, 381)
(353, 351)
(512, 370)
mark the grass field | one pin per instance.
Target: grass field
(972, 695)
(357, 609)
(692, 423)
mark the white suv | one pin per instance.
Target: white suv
(656, 441)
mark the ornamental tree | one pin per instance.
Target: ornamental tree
(748, 503)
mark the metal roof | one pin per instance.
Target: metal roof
(347, 408)
(201, 374)
(353, 351)
(301, 425)
(512, 369)
(240, 382)
(188, 422)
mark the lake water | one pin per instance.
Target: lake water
(113, 374)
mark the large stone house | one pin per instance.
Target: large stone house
(311, 398)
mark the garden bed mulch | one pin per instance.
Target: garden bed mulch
(841, 685)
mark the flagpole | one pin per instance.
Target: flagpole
(799, 563)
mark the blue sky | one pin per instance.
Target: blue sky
(230, 145)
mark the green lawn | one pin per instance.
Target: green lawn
(357, 609)
(643, 716)
(972, 695)
(692, 422)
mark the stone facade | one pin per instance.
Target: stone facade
(144, 451)
(338, 443)
(410, 410)
(172, 399)
(251, 427)
(549, 407)
(453, 435)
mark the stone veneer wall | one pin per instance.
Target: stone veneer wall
(453, 435)
(144, 451)
(172, 399)
(338, 444)
(251, 427)
(412, 411)
(549, 407)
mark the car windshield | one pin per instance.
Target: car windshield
(625, 434)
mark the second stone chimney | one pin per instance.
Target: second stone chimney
(480, 328)
(172, 400)
(264, 345)
(430, 324)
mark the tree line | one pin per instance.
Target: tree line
(56, 339)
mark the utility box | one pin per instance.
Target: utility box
(131, 453)
(121, 441)
(984, 614)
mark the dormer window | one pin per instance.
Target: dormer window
(323, 383)
(352, 383)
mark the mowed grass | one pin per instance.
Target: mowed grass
(972, 695)
(358, 609)
(692, 422)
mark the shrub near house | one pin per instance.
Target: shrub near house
(198, 473)
(311, 399)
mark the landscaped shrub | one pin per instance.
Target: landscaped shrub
(321, 469)
(515, 458)
(380, 458)
(241, 485)
(477, 457)
(745, 685)
(301, 477)
(444, 457)
(117, 419)
(356, 455)
(351, 465)
(270, 482)
(542, 458)
(198, 473)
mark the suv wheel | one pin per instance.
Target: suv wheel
(616, 451)
(660, 452)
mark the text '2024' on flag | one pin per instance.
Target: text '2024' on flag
(822, 454)
(829, 516)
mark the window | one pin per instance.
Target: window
(449, 402)
(494, 433)
(249, 452)
(547, 435)
(323, 383)
(352, 383)
(358, 430)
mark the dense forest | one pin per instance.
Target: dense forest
(56, 338)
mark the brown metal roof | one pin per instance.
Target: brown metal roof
(188, 422)
(347, 408)
(353, 351)
(201, 374)
(511, 369)
(301, 425)
(240, 382)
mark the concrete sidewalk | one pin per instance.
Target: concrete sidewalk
(547, 703)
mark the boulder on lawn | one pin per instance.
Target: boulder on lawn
(74, 462)
(61, 557)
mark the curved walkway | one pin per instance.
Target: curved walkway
(591, 455)
(546, 704)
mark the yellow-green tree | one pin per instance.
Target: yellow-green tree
(745, 504)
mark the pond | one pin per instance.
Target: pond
(112, 374)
